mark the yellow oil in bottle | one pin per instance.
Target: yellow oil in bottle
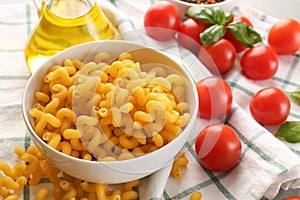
(63, 24)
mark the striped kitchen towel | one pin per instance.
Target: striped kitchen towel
(267, 163)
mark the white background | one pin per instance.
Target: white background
(276, 8)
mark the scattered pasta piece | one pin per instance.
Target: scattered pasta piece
(181, 161)
(12, 180)
(65, 187)
(196, 196)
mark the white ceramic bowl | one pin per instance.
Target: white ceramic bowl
(182, 6)
(108, 172)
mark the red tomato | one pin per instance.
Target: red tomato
(189, 33)
(284, 36)
(218, 57)
(259, 62)
(218, 147)
(162, 21)
(292, 198)
(215, 97)
(228, 35)
(270, 106)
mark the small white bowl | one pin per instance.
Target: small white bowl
(107, 172)
(182, 6)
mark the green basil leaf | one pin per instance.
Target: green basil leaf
(295, 95)
(212, 34)
(290, 131)
(200, 13)
(220, 17)
(215, 16)
(228, 16)
(244, 33)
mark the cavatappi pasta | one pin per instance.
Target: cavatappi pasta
(108, 112)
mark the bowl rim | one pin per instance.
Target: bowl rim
(26, 117)
(204, 5)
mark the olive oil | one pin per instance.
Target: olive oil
(65, 23)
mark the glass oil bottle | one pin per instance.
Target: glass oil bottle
(64, 23)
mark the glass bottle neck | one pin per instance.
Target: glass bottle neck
(70, 8)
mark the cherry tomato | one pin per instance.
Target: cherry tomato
(292, 198)
(228, 35)
(189, 33)
(162, 21)
(218, 147)
(270, 106)
(259, 62)
(215, 97)
(218, 57)
(284, 36)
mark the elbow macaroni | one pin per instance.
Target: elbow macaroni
(34, 167)
(110, 105)
(65, 187)
(196, 196)
(181, 161)
(42, 194)
(133, 110)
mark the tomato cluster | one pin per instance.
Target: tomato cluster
(261, 62)
(231, 35)
(218, 147)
